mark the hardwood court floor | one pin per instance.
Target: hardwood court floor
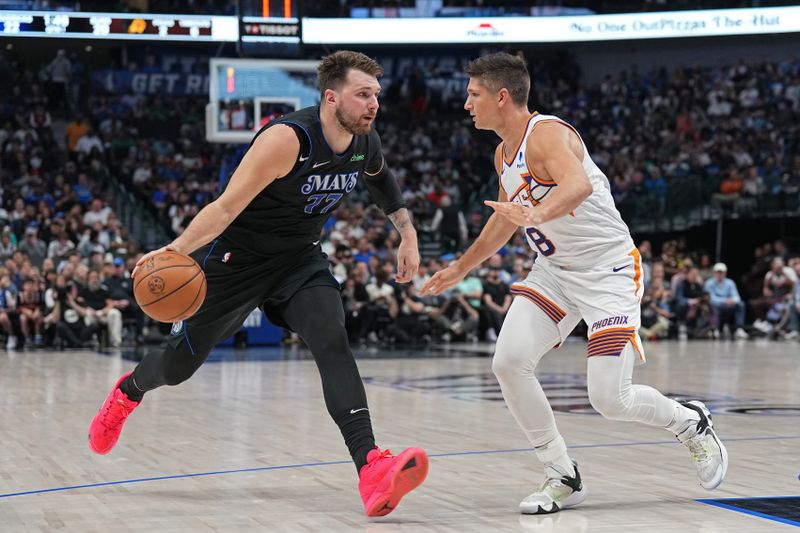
(247, 445)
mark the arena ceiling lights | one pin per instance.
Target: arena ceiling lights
(628, 26)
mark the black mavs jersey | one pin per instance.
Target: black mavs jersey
(288, 215)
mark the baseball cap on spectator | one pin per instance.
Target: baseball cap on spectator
(720, 267)
(118, 261)
(30, 230)
(447, 257)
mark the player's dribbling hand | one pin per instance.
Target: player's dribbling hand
(407, 261)
(142, 260)
(442, 280)
(516, 213)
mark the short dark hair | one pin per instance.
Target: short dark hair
(503, 70)
(332, 70)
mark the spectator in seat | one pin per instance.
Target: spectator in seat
(31, 317)
(449, 221)
(355, 300)
(382, 308)
(71, 328)
(656, 314)
(411, 323)
(96, 213)
(725, 301)
(60, 247)
(7, 245)
(496, 302)
(95, 305)
(730, 189)
(778, 288)
(456, 317)
(88, 142)
(35, 249)
(76, 129)
(8, 311)
(472, 289)
(120, 290)
(688, 298)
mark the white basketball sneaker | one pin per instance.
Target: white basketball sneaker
(709, 454)
(558, 491)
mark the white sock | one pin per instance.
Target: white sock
(682, 419)
(554, 455)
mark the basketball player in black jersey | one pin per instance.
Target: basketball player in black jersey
(258, 245)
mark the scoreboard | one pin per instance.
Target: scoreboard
(122, 26)
(262, 27)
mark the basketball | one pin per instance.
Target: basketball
(170, 287)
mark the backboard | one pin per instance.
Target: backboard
(246, 94)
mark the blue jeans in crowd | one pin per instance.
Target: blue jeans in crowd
(728, 314)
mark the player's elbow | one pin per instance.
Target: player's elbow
(225, 212)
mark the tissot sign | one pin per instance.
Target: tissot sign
(702, 23)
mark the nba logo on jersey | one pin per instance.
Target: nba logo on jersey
(226, 257)
(520, 161)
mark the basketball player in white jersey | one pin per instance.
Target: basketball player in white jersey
(586, 267)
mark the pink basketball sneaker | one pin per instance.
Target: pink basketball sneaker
(385, 479)
(107, 424)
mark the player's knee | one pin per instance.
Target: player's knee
(511, 360)
(612, 404)
(331, 337)
(179, 364)
(323, 335)
(502, 365)
(177, 374)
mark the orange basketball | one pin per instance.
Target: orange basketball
(170, 287)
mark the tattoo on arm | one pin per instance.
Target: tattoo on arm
(401, 219)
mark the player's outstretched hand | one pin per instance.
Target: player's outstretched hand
(513, 212)
(442, 280)
(142, 260)
(407, 261)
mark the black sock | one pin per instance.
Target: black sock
(357, 432)
(360, 455)
(131, 390)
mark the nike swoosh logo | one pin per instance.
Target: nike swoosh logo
(301, 158)
(617, 269)
(354, 411)
(320, 164)
(315, 243)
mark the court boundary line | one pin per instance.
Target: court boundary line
(723, 505)
(340, 462)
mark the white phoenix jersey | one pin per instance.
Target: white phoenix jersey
(588, 236)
